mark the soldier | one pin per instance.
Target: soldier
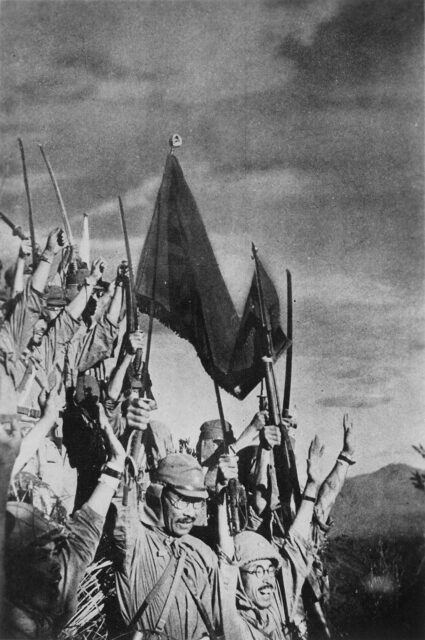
(46, 562)
(10, 440)
(167, 580)
(27, 305)
(94, 340)
(40, 368)
(264, 609)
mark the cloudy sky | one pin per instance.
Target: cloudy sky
(302, 130)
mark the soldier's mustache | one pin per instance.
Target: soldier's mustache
(186, 520)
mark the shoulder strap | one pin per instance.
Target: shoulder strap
(174, 566)
(201, 608)
(160, 625)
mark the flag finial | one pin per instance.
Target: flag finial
(175, 141)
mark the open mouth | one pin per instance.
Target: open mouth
(267, 590)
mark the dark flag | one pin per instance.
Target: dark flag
(246, 364)
(178, 273)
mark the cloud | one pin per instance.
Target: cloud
(357, 40)
(304, 17)
(354, 401)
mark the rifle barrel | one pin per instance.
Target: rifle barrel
(65, 218)
(289, 334)
(27, 191)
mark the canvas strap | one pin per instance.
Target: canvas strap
(173, 567)
(201, 608)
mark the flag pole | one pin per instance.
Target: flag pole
(174, 142)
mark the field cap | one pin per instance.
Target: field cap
(182, 473)
(212, 430)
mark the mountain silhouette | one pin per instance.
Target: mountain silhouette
(383, 503)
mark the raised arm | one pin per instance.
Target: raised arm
(55, 242)
(49, 404)
(10, 439)
(301, 525)
(135, 341)
(333, 484)
(105, 490)
(114, 310)
(76, 307)
(18, 281)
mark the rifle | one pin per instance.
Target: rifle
(139, 377)
(30, 216)
(283, 472)
(289, 335)
(16, 229)
(235, 498)
(285, 475)
(61, 203)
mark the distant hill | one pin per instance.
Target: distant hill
(381, 503)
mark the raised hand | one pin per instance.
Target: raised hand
(315, 471)
(117, 452)
(228, 468)
(25, 249)
(348, 445)
(270, 436)
(139, 413)
(97, 269)
(136, 341)
(122, 271)
(56, 241)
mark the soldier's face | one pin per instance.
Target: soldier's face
(43, 578)
(179, 512)
(259, 582)
(39, 331)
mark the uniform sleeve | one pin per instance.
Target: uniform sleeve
(125, 529)
(329, 491)
(232, 625)
(77, 553)
(113, 411)
(297, 554)
(97, 345)
(19, 324)
(58, 337)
